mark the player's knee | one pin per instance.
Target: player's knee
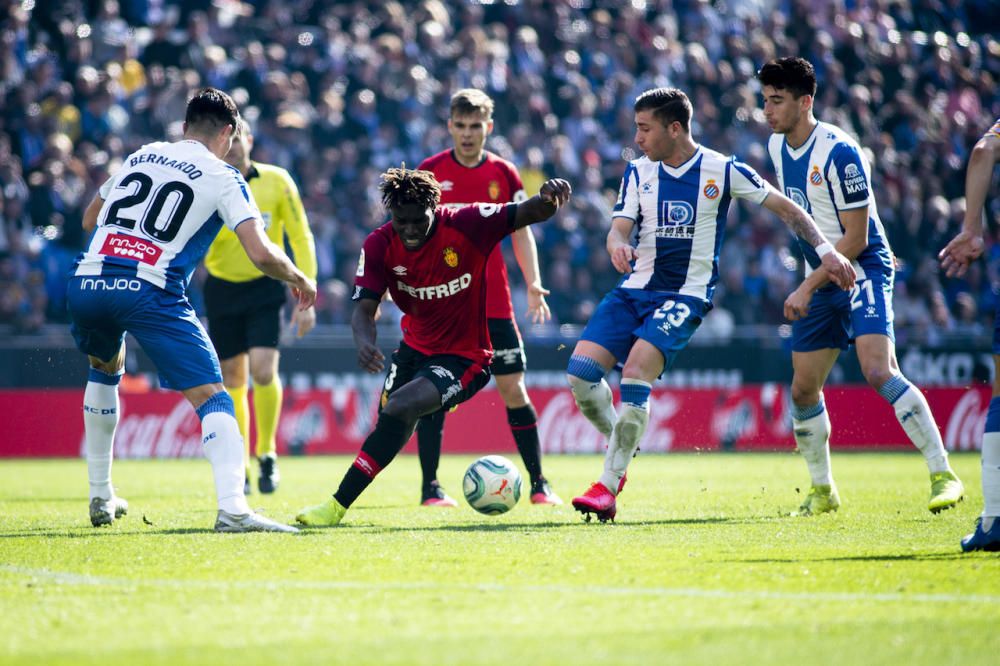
(804, 396)
(877, 377)
(262, 376)
(513, 391)
(403, 409)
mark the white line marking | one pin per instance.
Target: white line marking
(70, 578)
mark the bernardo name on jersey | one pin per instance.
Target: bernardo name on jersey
(161, 212)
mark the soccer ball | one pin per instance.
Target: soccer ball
(492, 485)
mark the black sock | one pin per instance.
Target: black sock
(430, 430)
(384, 442)
(524, 426)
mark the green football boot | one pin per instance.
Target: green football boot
(946, 491)
(821, 499)
(327, 514)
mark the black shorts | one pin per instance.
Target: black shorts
(456, 378)
(242, 315)
(508, 349)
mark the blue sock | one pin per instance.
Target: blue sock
(585, 368)
(220, 402)
(893, 389)
(800, 413)
(635, 392)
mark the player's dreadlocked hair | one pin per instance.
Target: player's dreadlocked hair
(409, 186)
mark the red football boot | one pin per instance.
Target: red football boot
(599, 501)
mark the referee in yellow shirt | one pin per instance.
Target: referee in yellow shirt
(244, 305)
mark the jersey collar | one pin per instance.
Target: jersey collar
(796, 153)
(475, 166)
(252, 173)
(678, 171)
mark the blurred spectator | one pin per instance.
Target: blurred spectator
(338, 91)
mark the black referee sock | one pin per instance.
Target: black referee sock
(384, 442)
(430, 432)
(524, 426)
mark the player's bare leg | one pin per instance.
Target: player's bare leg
(644, 364)
(877, 355)
(986, 536)
(267, 395)
(101, 411)
(395, 424)
(523, 421)
(235, 377)
(811, 427)
(223, 446)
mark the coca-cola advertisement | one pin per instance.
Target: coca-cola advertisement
(161, 424)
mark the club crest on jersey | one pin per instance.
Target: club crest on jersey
(494, 190)
(816, 178)
(450, 257)
(711, 190)
(676, 220)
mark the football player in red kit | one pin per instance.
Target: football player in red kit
(432, 261)
(468, 173)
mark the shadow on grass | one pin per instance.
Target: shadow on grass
(908, 557)
(509, 527)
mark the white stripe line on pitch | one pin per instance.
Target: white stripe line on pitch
(69, 578)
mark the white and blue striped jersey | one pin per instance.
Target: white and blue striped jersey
(680, 213)
(825, 175)
(161, 212)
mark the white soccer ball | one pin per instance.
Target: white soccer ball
(492, 485)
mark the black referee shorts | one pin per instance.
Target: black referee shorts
(242, 315)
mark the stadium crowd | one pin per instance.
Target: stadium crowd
(338, 91)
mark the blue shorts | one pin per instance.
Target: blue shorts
(836, 317)
(666, 321)
(104, 308)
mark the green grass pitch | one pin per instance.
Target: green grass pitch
(704, 566)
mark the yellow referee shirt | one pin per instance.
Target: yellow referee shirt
(278, 199)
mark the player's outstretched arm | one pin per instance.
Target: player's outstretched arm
(526, 253)
(619, 247)
(370, 357)
(91, 213)
(273, 262)
(553, 194)
(968, 245)
(838, 267)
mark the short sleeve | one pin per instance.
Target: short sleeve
(745, 183)
(236, 203)
(517, 193)
(848, 180)
(627, 204)
(105, 190)
(369, 278)
(485, 224)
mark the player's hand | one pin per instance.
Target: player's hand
(957, 255)
(622, 257)
(797, 304)
(555, 191)
(839, 270)
(305, 294)
(370, 358)
(303, 321)
(538, 309)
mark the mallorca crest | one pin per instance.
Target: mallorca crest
(450, 257)
(711, 190)
(494, 190)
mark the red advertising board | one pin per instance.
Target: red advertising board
(162, 424)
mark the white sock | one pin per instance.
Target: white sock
(991, 475)
(596, 402)
(914, 414)
(625, 438)
(811, 427)
(101, 409)
(220, 436)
